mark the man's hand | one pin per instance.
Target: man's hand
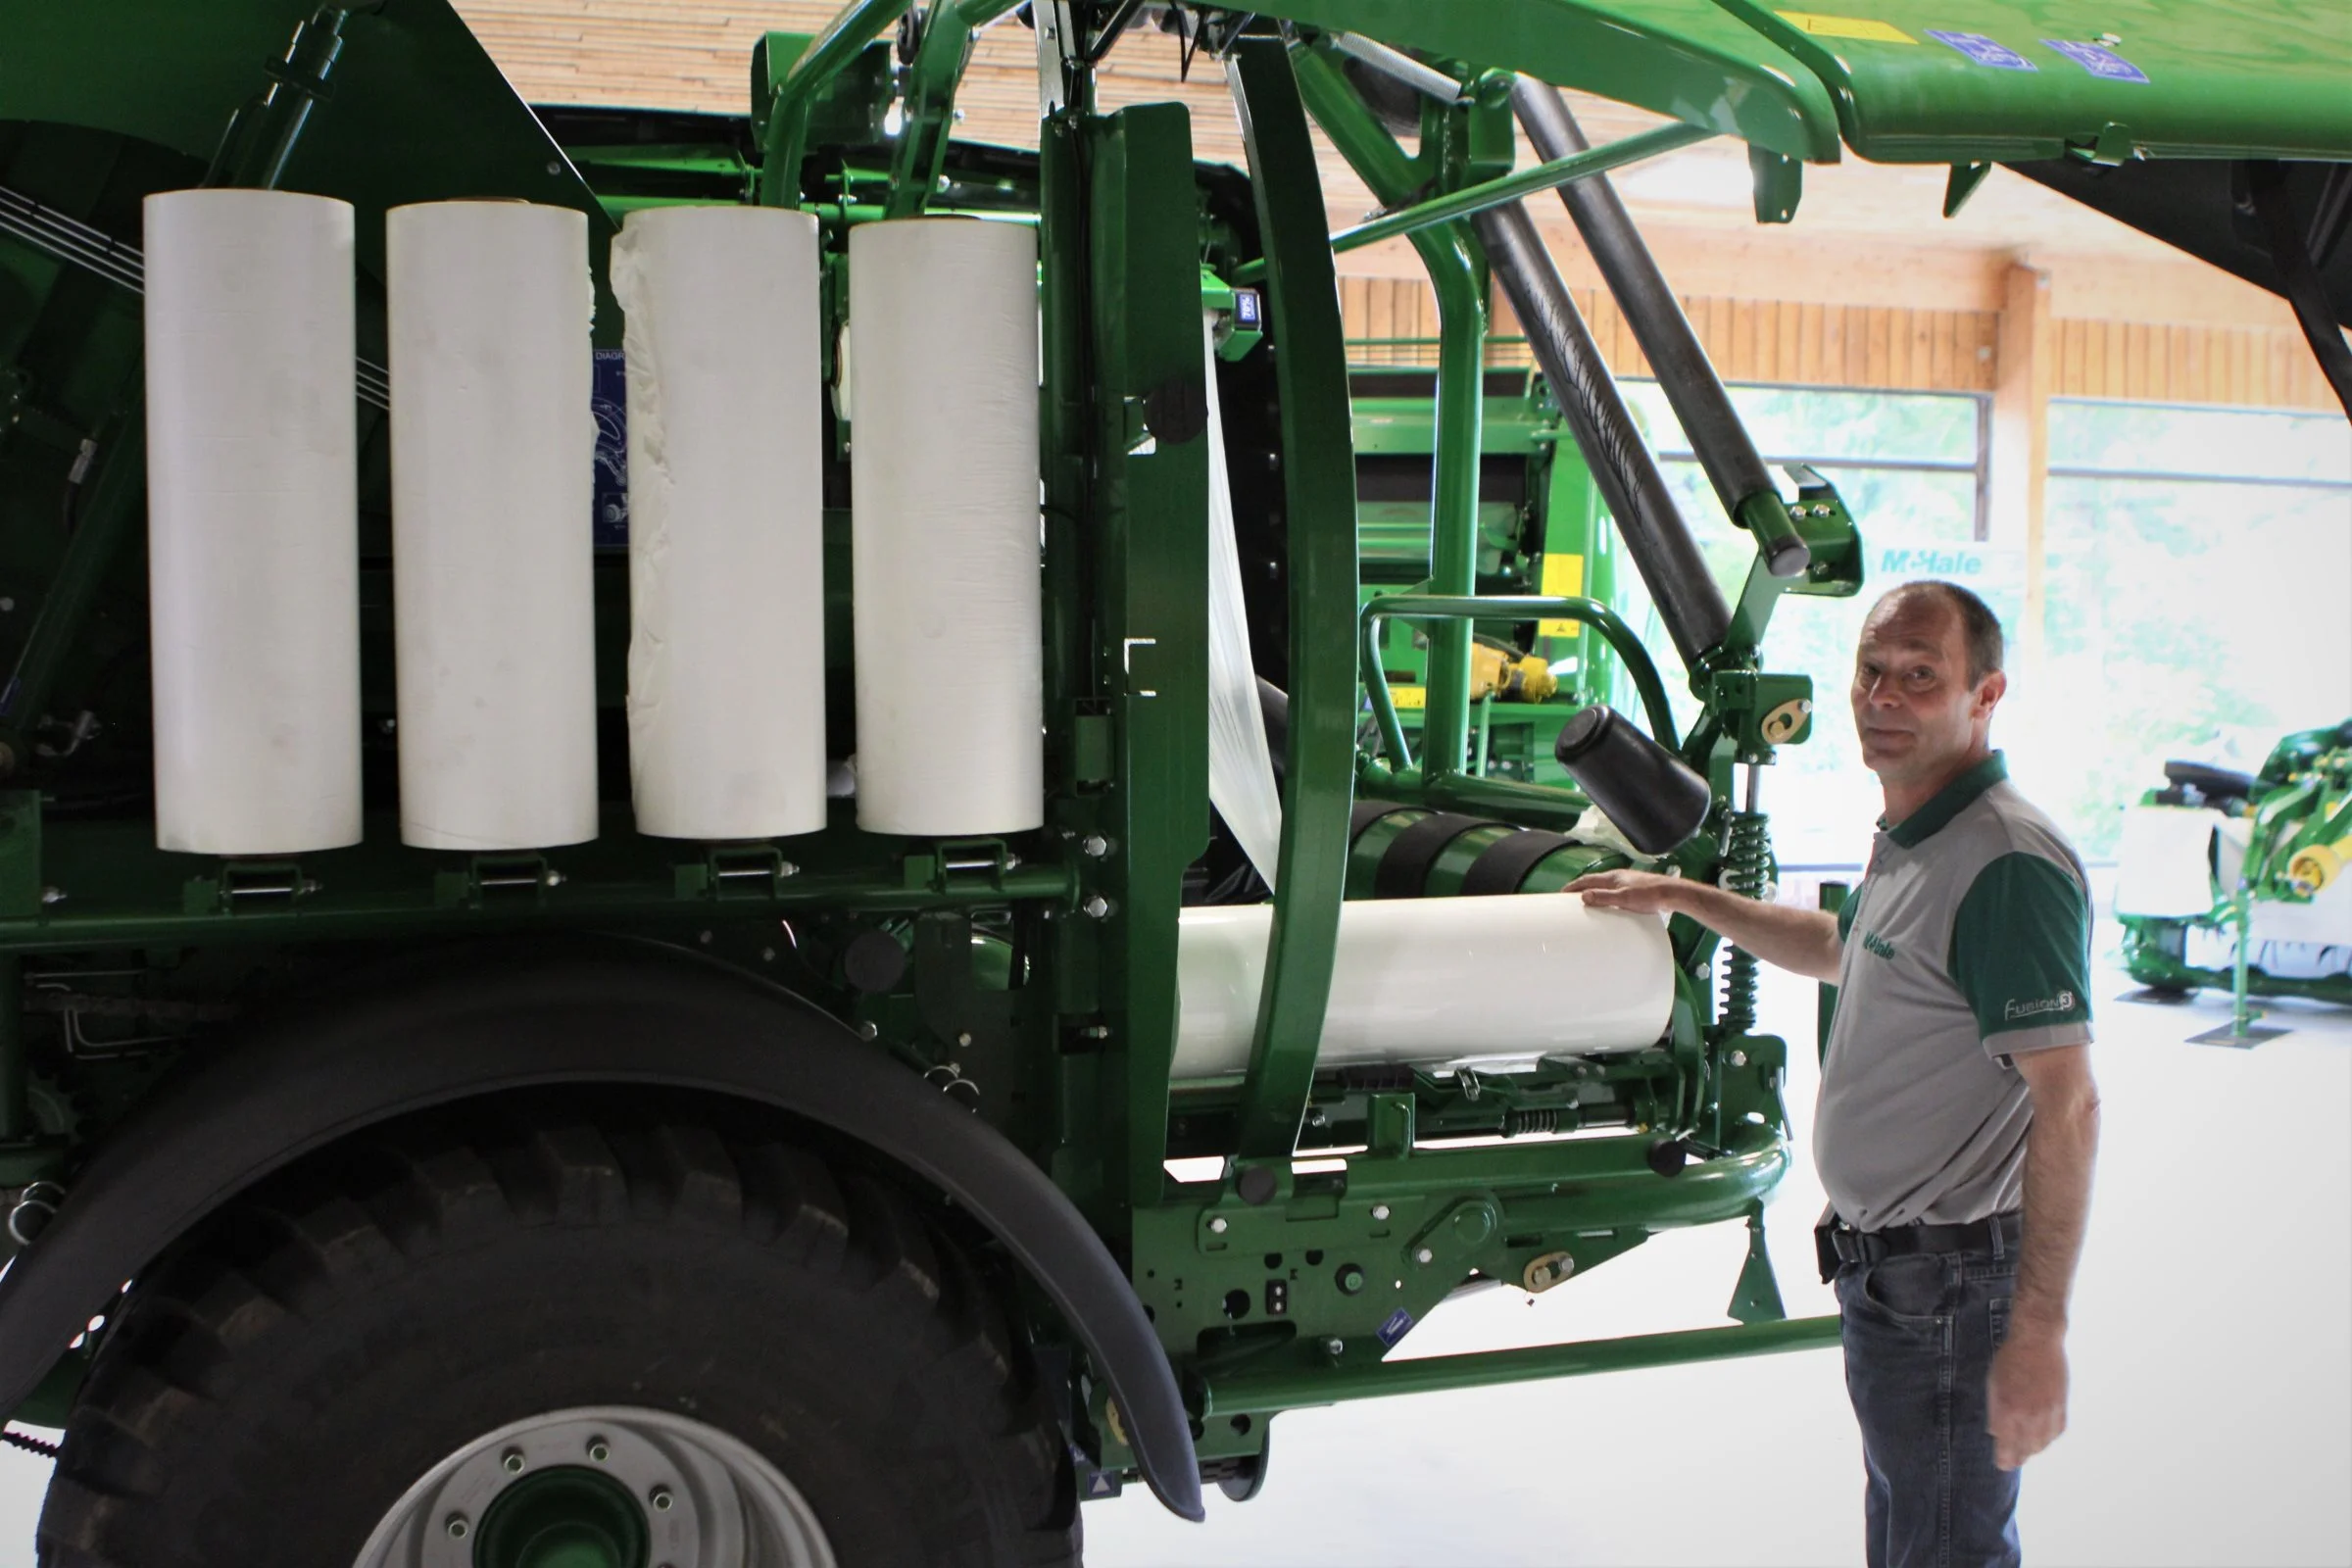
(1802, 940)
(2026, 1398)
(1642, 891)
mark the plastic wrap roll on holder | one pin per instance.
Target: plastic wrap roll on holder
(1655, 800)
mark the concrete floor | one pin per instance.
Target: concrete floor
(2212, 1351)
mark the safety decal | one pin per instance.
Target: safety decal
(1398, 1325)
(1866, 28)
(2097, 58)
(1983, 50)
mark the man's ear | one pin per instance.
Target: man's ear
(1989, 693)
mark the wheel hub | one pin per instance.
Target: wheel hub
(570, 1517)
(600, 1487)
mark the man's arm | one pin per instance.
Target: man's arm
(2027, 1397)
(1803, 940)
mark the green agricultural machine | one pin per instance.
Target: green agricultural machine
(871, 1194)
(1542, 527)
(2244, 881)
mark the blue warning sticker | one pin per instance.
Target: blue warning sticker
(1983, 51)
(1398, 1325)
(2097, 58)
(609, 401)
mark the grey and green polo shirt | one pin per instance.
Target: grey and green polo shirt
(1968, 943)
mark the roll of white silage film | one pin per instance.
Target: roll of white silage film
(726, 515)
(493, 448)
(1436, 980)
(251, 522)
(943, 440)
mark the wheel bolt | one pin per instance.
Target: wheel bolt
(598, 1449)
(458, 1527)
(512, 1460)
(662, 1501)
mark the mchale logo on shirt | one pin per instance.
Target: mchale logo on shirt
(1872, 942)
(2063, 1001)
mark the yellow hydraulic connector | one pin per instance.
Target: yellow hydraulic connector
(2316, 865)
(1509, 675)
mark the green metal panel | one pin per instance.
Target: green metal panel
(1152, 510)
(1683, 58)
(2218, 78)
(1303, 304)
(418, 112)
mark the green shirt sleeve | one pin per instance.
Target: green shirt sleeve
(2021, 955)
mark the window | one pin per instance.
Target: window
(2198, 571)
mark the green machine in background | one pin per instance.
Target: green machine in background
(2243, 882)
(878, 1193)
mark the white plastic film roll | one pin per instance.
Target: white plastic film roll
(943, 433)
(727, 522)
(1241, 767)
(1436, 980)
(253, 523)
(493, 453)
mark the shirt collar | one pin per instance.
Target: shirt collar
(1947, 803)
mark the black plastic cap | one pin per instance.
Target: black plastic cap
(1653, 797)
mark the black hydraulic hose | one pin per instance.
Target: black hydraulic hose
(1689, 602)
(2299, 278)
(1700, 405)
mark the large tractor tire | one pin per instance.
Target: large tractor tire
(582, 1334)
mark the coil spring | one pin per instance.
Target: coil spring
(1518, 1123)
(1747, 849)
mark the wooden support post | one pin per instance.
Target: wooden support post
(2020, 445)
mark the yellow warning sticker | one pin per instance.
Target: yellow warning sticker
(1821, 27)
(1408, 696)
(1563, 579)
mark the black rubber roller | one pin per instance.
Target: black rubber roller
(1653, 798)
(1506, 863)
(1403, 870)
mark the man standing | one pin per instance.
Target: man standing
(1957, 1120)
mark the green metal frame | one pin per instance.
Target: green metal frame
(1302, 307)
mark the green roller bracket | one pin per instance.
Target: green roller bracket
(1302, 307)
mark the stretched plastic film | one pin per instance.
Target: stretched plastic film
(727, 512)
(1437, 980)
(1241, 768)
(493, 473)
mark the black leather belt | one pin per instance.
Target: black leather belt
(1838, 1240)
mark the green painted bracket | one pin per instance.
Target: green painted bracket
(1318, 468)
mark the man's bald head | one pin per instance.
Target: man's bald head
(1980, 627)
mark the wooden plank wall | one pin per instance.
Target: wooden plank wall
(1887, 348)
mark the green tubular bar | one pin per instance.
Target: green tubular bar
(1318, 467)
(930, 99)
(1504, 607)
(788, 117)
(1509, 188)
(1348, 1378)
(1452, 258)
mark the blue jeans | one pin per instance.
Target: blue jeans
(1920, 1331)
